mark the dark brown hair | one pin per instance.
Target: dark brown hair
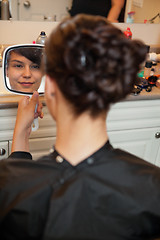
(33, 54)
(93, 63)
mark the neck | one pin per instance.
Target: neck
(78, 138)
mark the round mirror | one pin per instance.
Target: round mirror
(23, 70)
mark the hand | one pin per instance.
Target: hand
(26, 112)
(25, 116)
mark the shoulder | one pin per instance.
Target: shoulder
(133, 160)
(128, 167)
(143, 174)
(16, 170)
(32, 178)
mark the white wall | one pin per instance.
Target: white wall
(39, 9)
(16, 32)
(149, 9)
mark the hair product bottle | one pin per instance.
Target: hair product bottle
(41, 38)
(147, 69)
(128, 33)
(5, 10)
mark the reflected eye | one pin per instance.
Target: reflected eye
(17, 65)
(34, 66)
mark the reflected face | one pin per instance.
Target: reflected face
(23, 74)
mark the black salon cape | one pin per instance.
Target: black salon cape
(111, 195)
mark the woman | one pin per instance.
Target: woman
(114, 10)
(85, 189)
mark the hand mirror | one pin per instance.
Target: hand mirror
(23, 72)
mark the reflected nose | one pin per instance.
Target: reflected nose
(26, 72)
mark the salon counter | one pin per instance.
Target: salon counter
(8, 100)
(11, 100)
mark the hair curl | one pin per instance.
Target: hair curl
(93, 63)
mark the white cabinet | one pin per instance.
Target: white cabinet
(39, 146)
(135, 127)
(132, 125)
(140, 142)
(41, 141)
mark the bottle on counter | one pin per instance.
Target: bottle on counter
(154, 57)
(5, 15)
(41, 38)
(157, 71)
(147, 69)
(153, 69)
(128, 33)
(130, 17)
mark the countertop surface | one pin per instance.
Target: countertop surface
(144, 95)
(8, 100)
(11, 100)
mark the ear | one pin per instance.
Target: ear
(50, 87)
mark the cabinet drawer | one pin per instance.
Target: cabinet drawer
(134, 115)
(47, 127)
(39, 146)
(140, 142)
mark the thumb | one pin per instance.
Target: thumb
(34, 100)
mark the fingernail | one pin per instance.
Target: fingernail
(35, 94)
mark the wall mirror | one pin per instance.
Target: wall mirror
(55, 10)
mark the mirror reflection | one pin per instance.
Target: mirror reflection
(23, 69)
(54, 10)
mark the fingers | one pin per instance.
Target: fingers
(39, 112)
(34, 100)
(29, 105)
(24, 101)
(40, 106)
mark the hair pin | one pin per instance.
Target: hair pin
(83, 60)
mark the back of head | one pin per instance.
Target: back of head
(93, 63)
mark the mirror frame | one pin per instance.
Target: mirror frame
(5, 53)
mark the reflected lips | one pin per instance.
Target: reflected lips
(26, 84)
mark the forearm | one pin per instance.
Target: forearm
(20, 140)
(25, 117)
(115, 10)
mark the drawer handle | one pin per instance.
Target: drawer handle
(157, 135)
(2, 151)
(27, 4)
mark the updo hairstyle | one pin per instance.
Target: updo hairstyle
(92, 62)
